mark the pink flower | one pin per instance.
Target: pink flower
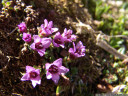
(58, 40)
(68, 35)
(55, 69)
(77, 51)
(22, 27)
(33, 75)
(40, 44)
(47, 28)
(27, 37)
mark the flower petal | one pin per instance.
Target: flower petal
(29, 69)
(50, 24)
(58, 62)
(73, 37)
(36, 38)
(71, 50)
(54, 29)
(47, 66)
(32, 46)
(48, 75)
(74, 47)
(38, 78)
(37, 71)
(41, 52)
(45, 23)
(25, 77)
(65, 30)
(55, 78)
(62, 45)
(46, 42)
(42, 26)
(63, 69)
(55, 44)
(34, 83)
(79, 44)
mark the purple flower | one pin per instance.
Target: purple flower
(27, 37)
(40, 44)
(55, 69)
(22, 27)
(68, 35)
(77, 51)
(58, 40)
(33, 75)
(46, 28)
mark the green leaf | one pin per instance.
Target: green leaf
(58, 90)
(122, 50)
(125, 33)
(8, 4)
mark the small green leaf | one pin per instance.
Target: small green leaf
(58, 90)
(122, 50)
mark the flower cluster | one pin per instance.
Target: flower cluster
(49, 37)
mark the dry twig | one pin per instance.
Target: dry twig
(108, 48)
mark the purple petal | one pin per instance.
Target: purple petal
(29, 69)
(32, 46)
(48, 75)
(58, 62)
(83, 49)
(25, 34)
(45, 23)
(71, 50)
(37, 71)
(26, 37)
(47, 65)
(42, 26)
(43, 31)
(74, 47)
(57, 34)
(79, 44)
(38, 78)
(55, 78)
(41, 52)
(69, 31)
(46, 42)
(50, 24)
(63, 69)
(83, 54)
(65, 30)
(25, 77)
(77, 55)
(54, 29)
(36, 38)
(55, 44)
(73, 37)
(48, 31)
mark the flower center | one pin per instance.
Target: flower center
(78, 51)
(68, 35)
(53, 69)
(72, 56)
(33, 74)
(38, 45)
(58, 41)
(27, 37)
